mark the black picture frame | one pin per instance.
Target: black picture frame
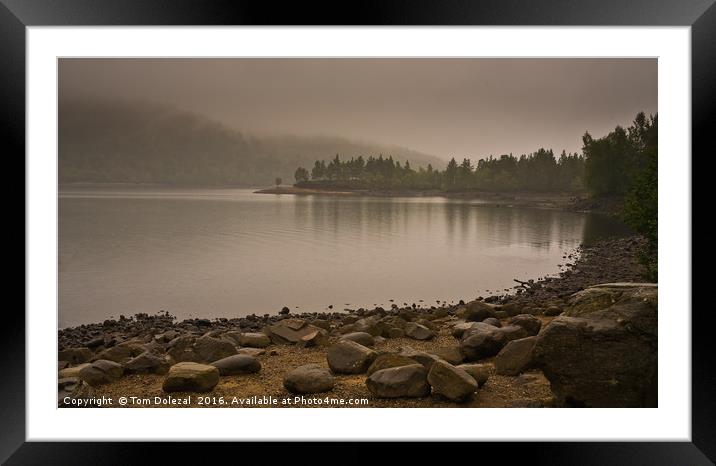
(16, 15)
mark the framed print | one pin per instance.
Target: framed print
(418, 222)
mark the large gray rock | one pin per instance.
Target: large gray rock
(209, 349)
(602, 351)
(451, 382)
(147, 362)
(482, 342)
(75, 355)
(237, 364)
(349, 357)
(388, 360)
(515, 357)
(396, 382)
(480, 372)
(528, 322)
(418, 332)
(362, 338)
(101, 372)
(191, 377)
(310, 378)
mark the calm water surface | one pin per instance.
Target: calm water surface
(229, 253)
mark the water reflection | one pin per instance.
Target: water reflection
(231, 252)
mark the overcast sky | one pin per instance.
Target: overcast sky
(446, 107)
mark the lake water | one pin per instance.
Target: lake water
(229, 252)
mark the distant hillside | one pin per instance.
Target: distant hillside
(129, 142)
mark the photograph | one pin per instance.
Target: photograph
(357, 232)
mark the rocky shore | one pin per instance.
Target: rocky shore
(584, 338)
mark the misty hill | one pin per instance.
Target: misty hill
(130, 142)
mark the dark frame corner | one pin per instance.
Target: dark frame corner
(16, 15)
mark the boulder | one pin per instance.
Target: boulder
(512, 309)
(451, 354)
(494, 321)
(372, 325)
(418, 332)
(147, 362)
(403, 381)
(483, 342)
(75, 355)
(181, 349)
(254, 340)
(100, 372)
(317, 337)
(479, 372)
(451, 382)
(252, 351)
(72, 372)
(289, 331)
(191, 377)
(388, 360)
(459, 329)
(237, 364)
(530, 323)
(602, 350)
(310, 378)
(515, 357)
(477, 311)
(349, 357)
(426, 359)
(514, 332)
(122, 352)
(552, 311)
(362, 338)
(209, 349)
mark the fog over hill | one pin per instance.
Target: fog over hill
(139, 142)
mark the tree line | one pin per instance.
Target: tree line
(538, 171)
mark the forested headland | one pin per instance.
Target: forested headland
(620, 166)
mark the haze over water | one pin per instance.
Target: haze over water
(229, 252)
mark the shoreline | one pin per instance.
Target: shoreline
(566, 201)
(607, 261)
